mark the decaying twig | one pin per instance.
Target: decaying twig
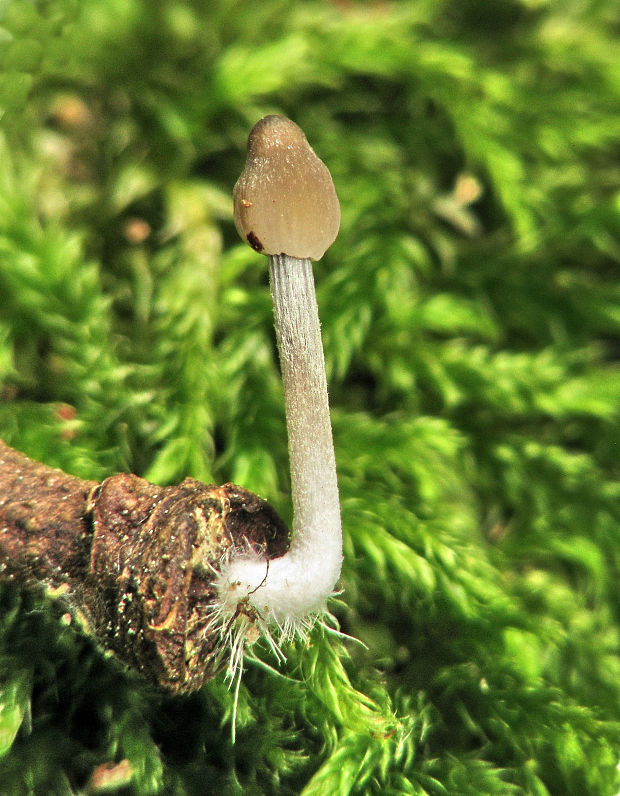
(137, 560)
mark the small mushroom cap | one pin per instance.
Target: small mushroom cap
(285, 201)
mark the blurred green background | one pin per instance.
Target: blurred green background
(470, 312)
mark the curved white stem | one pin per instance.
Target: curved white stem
(298, 583)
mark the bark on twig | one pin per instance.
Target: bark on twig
(137, 560)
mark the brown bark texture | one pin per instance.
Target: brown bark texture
(136, 561)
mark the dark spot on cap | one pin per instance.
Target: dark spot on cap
(254, 242)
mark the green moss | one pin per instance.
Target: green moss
(470, 312)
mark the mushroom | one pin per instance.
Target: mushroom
(286, 207)
(285, 201)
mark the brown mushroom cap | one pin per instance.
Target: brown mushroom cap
(285, 201)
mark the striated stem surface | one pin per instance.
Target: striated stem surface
(299, 583)
(314, 482)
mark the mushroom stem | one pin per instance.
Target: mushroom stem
(290, 589)
(314, 484)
